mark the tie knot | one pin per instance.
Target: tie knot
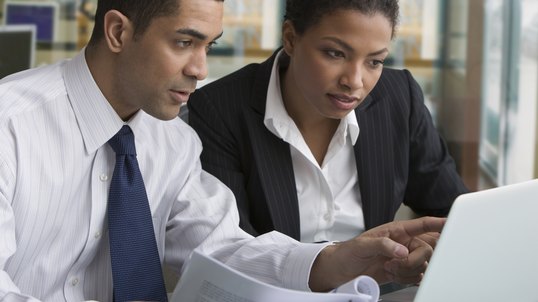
(123, 142)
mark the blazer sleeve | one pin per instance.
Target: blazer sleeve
(220, 156)
(433, 182)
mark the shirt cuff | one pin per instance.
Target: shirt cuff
(299, 264)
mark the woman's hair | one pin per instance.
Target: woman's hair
(139, 12)
(307, 13)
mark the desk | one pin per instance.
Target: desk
(402, 295)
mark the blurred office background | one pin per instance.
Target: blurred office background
(476, 61)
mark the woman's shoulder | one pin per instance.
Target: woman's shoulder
(242, 79)
(396, 81)
(392, 74)
(254, 76)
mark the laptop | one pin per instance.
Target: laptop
(488, 250)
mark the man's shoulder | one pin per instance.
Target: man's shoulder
(172, 145)
(29, 89)
(174, 134)
(35, 78)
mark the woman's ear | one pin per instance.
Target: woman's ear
(118, 29)
(289, 37)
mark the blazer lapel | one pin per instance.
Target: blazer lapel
(273, 160)
(373, 155)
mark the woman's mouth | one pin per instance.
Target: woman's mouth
(343, 102)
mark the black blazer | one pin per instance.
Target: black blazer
(400, 155)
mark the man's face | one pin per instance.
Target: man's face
(157, 72)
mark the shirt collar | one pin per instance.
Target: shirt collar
(96, 118)
(276, 114)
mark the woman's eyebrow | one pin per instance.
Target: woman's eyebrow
(340, 42)
(378, 52)
(349, 48)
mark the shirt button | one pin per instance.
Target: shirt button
(97, 234)
(75, 281)
(326, 217)
(103, 177)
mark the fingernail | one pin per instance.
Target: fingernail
(387, 267)
(394, 265)
(400, 251)
(390, 276)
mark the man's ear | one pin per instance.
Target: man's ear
(118, 30)
(289, 37)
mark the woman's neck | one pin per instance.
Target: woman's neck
(317, 130)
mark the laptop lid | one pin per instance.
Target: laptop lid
(488, 249)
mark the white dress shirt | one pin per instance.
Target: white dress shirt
(55, 172)
(330, 205)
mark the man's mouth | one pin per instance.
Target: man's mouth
(180, 96)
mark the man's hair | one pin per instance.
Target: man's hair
(139, 12)
(305, 14)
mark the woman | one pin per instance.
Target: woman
(321, 142)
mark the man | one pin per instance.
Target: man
(59, 161)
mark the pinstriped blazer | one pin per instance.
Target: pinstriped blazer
(400, 155)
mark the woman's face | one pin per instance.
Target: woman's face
(335, 64)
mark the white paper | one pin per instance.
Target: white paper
(363, 286)
(207, 280)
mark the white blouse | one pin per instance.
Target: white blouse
(329, 196)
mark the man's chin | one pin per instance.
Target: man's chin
(165, 115)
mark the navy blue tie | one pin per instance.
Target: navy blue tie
(136, 267)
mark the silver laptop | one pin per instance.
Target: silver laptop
(488, 250)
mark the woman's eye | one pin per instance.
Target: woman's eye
(335, 53)
(376, 62)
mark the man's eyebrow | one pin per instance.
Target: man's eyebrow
(196, 34)
(192, 32)
(218, 37)
(349, 48)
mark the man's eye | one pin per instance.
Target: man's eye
(184, 44)
(211, 45)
